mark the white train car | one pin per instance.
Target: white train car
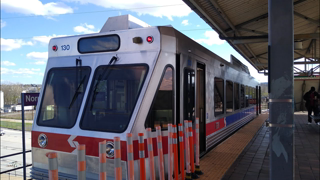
(126, 78)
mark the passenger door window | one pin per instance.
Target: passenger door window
(229, 96)
(189, 95)
(242, 96)
(236, 96)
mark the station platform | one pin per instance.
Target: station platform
(245, 155)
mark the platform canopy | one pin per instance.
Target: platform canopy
(244, 24)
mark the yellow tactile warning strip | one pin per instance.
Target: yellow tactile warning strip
(216, 163)
(10, 177)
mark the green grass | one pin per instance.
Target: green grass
(27, 115)
(15, 125)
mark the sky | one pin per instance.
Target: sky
(28, 25)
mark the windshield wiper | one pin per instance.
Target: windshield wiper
(76, 94)
(95, 92)
(112, 60)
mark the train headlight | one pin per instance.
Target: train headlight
(110, 149)
(42, 140)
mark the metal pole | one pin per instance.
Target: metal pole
(259, 99)
(281, 58)
(23, 137)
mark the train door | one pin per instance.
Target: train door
(201, 105)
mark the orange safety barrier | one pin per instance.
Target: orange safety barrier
(193, 175)
(170, 150)
(81, 162)
(102, 161)
(181, 143)
(160, 153)
(53, 165)
(142, 156)
(198, 171)
(187, 148)
(117, 159)
(175, 151)
(150, 154)
(130, 157)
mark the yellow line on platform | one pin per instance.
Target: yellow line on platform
(10, 177)
(217, 162)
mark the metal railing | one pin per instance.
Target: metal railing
(16, 168)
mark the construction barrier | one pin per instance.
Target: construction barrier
(150, 154)
(102, 161)
(53, 165)
(81, 162)
(117, 159)
(160, 153)
(130, 157)
(142, 157)
(198, 171)
(187, 169)
(181, 143)
(187, 148)
(170, 150)
(193, 174)
(175, 152)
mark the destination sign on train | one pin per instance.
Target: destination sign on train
(31, 99)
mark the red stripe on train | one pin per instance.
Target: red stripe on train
(213, 127)
(59, 142)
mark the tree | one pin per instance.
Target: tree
(11, 92)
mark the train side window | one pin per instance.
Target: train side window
(242, 96)
(62, 97)
(229, 97)
(218, 96)
(161, 111)
(247, 96)
(236, 96)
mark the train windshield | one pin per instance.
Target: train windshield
(112, 98)
(63, 94)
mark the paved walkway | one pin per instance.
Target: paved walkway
(215, 164)
(253, 162)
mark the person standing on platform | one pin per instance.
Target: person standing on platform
(311, 103)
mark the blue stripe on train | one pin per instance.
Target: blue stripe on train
(235, 117)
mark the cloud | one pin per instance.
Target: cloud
(3, 24)
(45, 39)
(21, 71)
(7, 63)
(198, 25)
(185, 22)
(11, 44)
(85, 29)
(39, 57)
(163, 8)
(35, 7)
(211, 38)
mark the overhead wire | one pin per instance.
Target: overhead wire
(111, 10)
